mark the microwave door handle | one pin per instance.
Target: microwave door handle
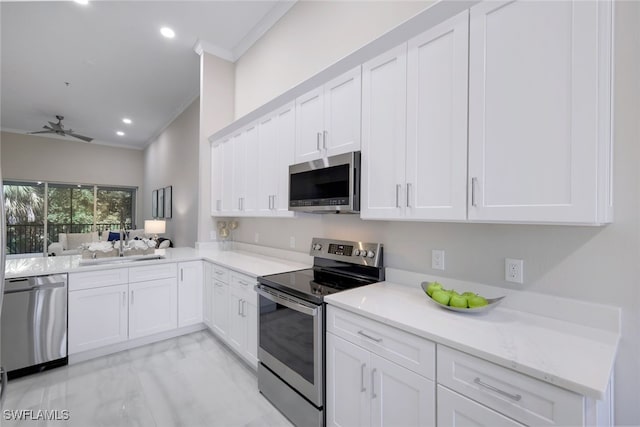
(318, 134)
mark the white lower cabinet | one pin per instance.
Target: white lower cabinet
(364, 388)
(235, 310)
(153, 307)
(98, 317)
(207, 296)
(455, 410)
(190, 277)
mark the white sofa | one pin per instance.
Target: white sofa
(70, 243)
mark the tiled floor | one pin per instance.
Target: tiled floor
(192, 380)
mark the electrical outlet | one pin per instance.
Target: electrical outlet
(437, 259)
(513, 270)
(292, 242)
(256, 237)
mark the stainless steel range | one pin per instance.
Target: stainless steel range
(291, 324)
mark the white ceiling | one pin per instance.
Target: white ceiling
(115, 60)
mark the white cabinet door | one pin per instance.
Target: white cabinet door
(227, 153)
(399, 397)
(251, 170)
(384, 100)
(153, 307)
(220, 308)
(207, 296)
(97, 317)
(456, 410)
(348, 387)
(250, 313)
(342, 113)
(190, 278)
(238, 172)
(217, 176)
(436, 153)
(268, 154)
(286, 141)
(236, 336)
(537, 73)
(309, 125)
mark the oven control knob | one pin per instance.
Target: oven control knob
(370, 254)
(356, 252)
(317, 247)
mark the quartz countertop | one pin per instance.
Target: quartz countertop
(563, 353)
(249, 263)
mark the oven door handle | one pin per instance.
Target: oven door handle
(287, 302)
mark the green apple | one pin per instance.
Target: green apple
(433, 286)
(477, 301)
(469, 294)
(459, 301)
(441, 296)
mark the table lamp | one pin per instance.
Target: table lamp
(154, 227)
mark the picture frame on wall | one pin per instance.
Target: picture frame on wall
(168, 196)
(154, 204)
(161, 203)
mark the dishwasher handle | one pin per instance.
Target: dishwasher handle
(36, 288)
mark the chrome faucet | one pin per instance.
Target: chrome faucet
(123, 237)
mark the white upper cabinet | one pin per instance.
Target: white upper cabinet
(217, 185)
(436, 149)
(244, 170)
(539, 112)
(328, 118)
(276, 149)
(384, 100)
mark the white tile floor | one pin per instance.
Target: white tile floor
(192, 380)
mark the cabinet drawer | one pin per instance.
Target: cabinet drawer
(408, 350)
(220, 273)
(455, 410)
(244, 285)
(96, 279)
(152, 272)
(516, 395)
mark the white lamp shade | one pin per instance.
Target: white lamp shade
(154, 226)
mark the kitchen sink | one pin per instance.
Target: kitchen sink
(120, 260)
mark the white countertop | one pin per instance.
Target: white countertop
(559, 352)
(252, 264)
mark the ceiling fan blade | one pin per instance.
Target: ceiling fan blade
(56, 126)
(41, 131)
(82, 137)
(48, 128)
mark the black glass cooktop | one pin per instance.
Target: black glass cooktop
(313, 284)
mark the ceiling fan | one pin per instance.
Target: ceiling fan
(59, 129)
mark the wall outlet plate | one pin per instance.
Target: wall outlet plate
(437, 259)
(292, 242)
(513, 270)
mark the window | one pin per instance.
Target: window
(70, 208)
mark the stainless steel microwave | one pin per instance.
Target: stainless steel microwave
(328, 185)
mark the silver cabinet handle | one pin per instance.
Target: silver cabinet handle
(318, 140)
(397, 195)
(242, 282)
(515, 397)
(369, 336)
(3, 382)
(124, 298)
(324, 139)
(218, 203)
(244, 308)
(181, 275)
(270, 202)
(219, 272)
(362, 386)
(239, 307)
(408, 193)
(474, 181)
(274, 202)
(131, 297)
(239, 205)
(373, 391)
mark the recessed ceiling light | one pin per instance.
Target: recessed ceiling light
(84, 2)
(120, 133)
(126, 120)
(167, 32)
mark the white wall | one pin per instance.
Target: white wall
(590, 263)
(38, 158)
(172, 159)
(311, 36)
(217, 78)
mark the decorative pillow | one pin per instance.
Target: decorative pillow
(138, 233)
(113, 236)
(164, 244)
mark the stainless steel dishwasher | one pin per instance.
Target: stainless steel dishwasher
(34, 324)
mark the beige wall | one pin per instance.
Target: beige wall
(217, 78)
(590, 263)
(310, 37)
(37, 158)
(172, 160)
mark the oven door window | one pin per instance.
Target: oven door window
(287, 335)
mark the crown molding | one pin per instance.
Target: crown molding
(202, 46)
